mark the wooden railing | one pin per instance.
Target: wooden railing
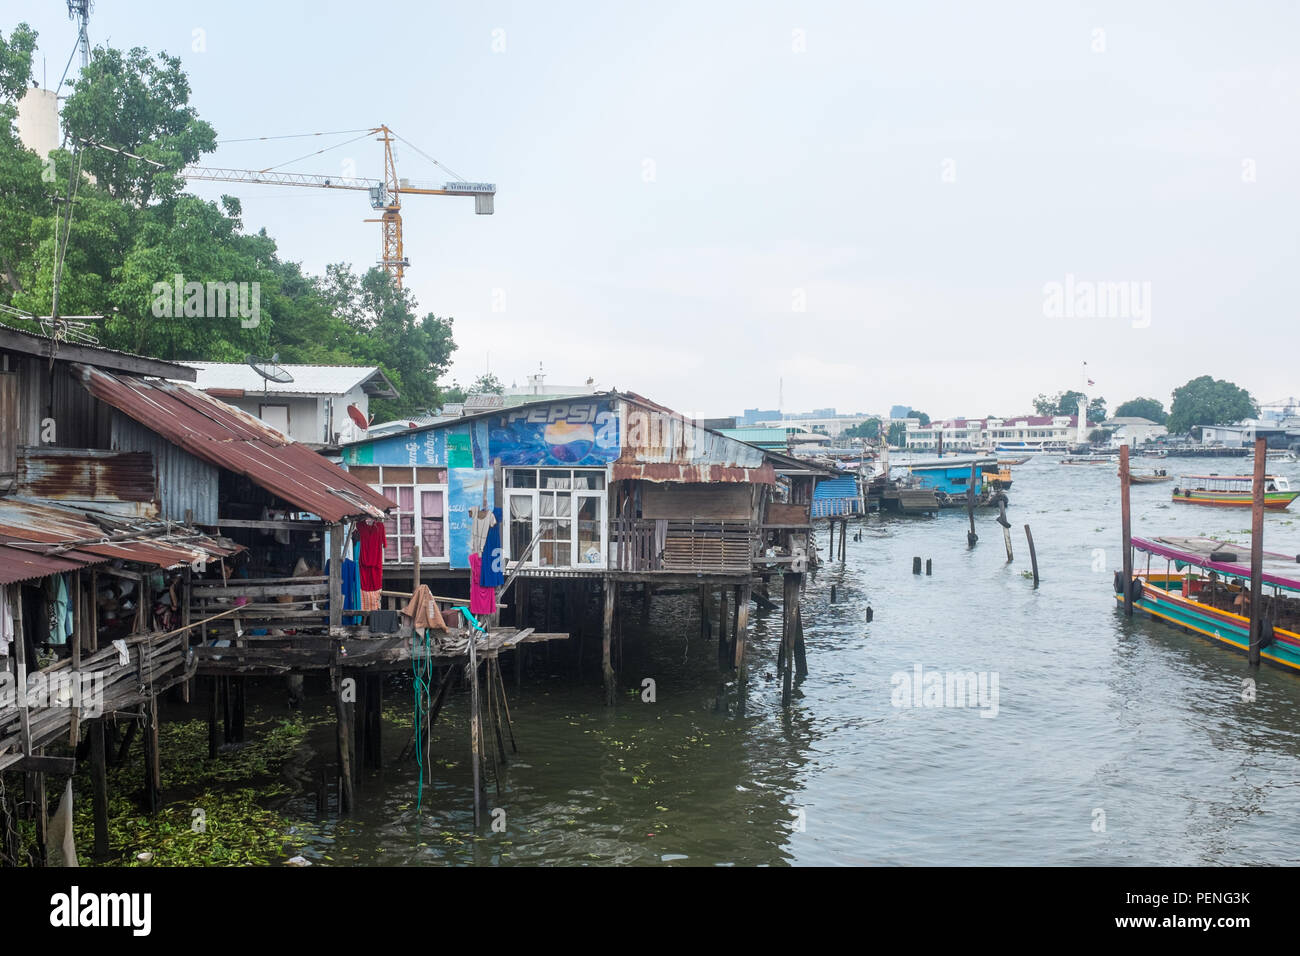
(648, 544)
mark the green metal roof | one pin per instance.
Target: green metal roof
(774, 438)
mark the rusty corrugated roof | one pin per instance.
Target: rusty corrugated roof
(39, 538)
(660, 444)
(61, 474)
(232, 439)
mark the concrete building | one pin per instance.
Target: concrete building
(1132, 430)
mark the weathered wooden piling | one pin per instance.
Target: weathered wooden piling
(344, 704)
(916, 564)
(99, 786)
(152, 771)
(790, 615)
(1126, 531)
(1257, 553)
(1033, 556)
(742, 636)
(607, 636)
(929, 567)
(971, 536)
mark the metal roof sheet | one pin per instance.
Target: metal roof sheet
(845, 487)
(229, 438)
(39, 538)
(307, 379)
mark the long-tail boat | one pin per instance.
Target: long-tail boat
(1205, 588)
(1233, 491)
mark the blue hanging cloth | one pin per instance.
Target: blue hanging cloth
(351, 584)
(493, 573)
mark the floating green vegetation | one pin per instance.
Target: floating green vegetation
(215, 814)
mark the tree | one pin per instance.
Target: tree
(487, 384)
(920, 416)
(897, 435)
(1099, 435)
(1209, 401)
(865, 429)
(140, 104)
(16, 61)
(1147, 408)
(1067, 403)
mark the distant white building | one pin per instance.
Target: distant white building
(313, 408)
(1132, 430)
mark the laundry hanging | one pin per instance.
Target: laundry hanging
(494, 561)
(481, 600)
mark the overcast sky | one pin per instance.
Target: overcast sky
(868, 201)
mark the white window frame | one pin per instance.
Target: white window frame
(418, 523)
(576, 495)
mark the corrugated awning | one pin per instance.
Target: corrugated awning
(39, 538)
(232, 439)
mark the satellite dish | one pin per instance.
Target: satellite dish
(270, 370)
(358, 417)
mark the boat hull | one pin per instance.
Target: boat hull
(1273, 500)
(1223, 627)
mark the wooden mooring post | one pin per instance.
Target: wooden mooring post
(607, 638)
(742, 634)
(971, 536)
(1126, 529)
(1033, 555)
(1257, 553)
(790, 623)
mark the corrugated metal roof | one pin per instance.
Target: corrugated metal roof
(307, 379)
(846, 487)
(39, 538)
(229, 438)
(63, 475)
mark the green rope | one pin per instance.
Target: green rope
(422, 671)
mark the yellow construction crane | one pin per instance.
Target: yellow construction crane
(385, 195)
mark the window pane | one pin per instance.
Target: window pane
(406, 525)
(521, 478)
(589, 530)
(432, 542)
(431, 504)
(563, 505)
(406, 499)
(406, 548)
(556, 479)
(589, 480)
(546, 503)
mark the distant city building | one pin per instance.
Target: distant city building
(899, 411)
(752, 416)
(1033, 432)
(1132, 430)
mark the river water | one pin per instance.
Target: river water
(1113, 741)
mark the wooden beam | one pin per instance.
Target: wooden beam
(606, 639)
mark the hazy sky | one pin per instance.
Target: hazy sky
(867, 200)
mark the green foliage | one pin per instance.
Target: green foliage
(487, 384)
(139, 104)
(133, 232)
(1148, 408)
(867, 429)
(1067, 403)
(1209, 401)
(16, 61)
(897, 435)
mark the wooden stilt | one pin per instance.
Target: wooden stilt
(607, 635)
(790, 612)
(99, 783)
(505, 706)
(152, 772)
(344, 718)
(724, 656)
(742, 635)
(475, 730)
(1033, 558)
(800, 654)
(214, 707)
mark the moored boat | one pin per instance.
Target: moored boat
(1153, 478)
(1233, 491)
(1205, 588)
(1092, 460)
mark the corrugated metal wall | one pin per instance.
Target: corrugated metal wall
(184, 482)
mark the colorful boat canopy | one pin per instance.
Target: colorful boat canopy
(1226, 557)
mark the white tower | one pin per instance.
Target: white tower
(1083, 419)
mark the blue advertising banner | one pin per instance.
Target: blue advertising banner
(464, 491)
(577, 433)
